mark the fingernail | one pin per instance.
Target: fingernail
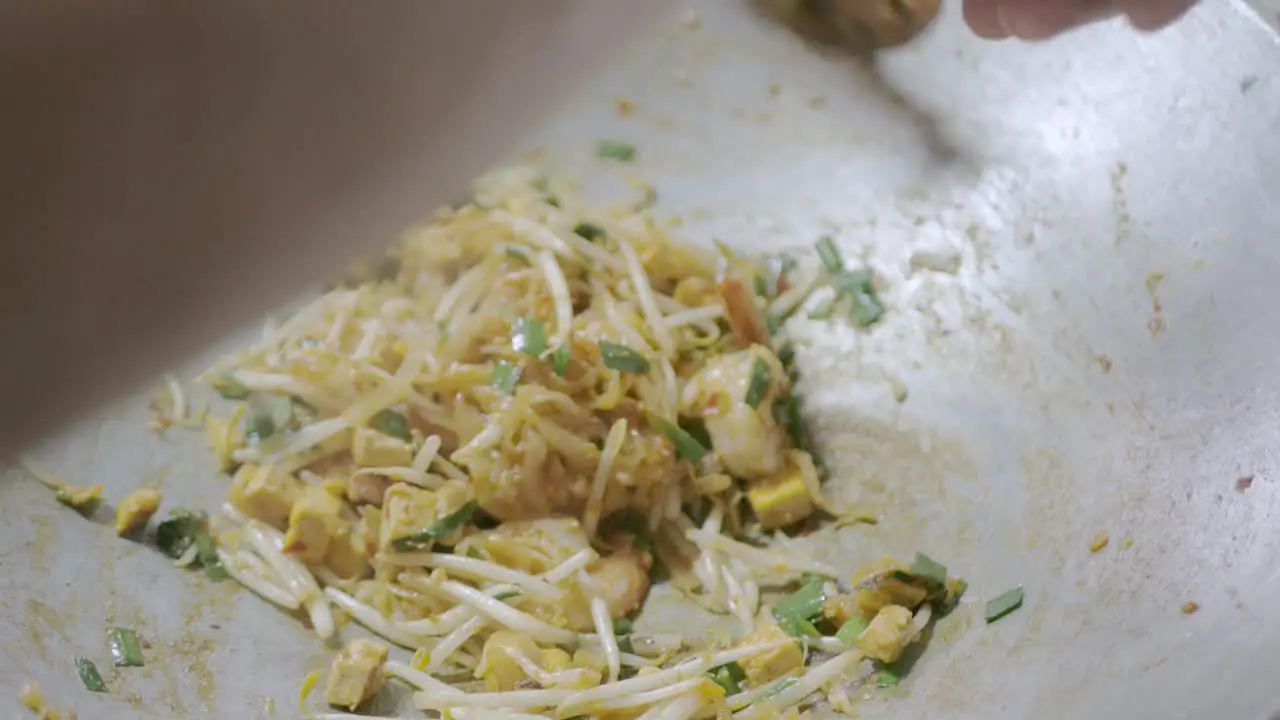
(1026, 23)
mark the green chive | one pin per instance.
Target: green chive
(772, 323)
(889, 677)
(126, 648)
(440, 528)
(88, 673)
(392, 423)
(730, 677)
(258, 427)
(786, 412)
(589, 231)
(617, 356)
(207, 556)
(1008, 602)
(850, 631)
(805, 603)
(474, 553)
(616, 150)
(624, 645)
(552, 200)
(760, 285)
(687, 447)
(529, 336)
(798, 628)
(505, 377)
(507, 595)
(560, 359)
(929, 569)
(761, 380)
(176, 534)
(230, 388)
(829, 254)
(787, 354)
(859, 287)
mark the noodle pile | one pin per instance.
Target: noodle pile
(483, 449)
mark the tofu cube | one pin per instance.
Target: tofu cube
(770, 666)
(370, 448)
(346, 554)
(356, 674)
(888, 634)
(780, 500)
(265, 493)
(133, 512)
(313, 520)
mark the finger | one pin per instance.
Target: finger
(1155, 14)
(983, 17)
(1042, 19)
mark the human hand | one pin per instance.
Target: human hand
(1043, 19)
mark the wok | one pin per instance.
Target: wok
(1078, 241)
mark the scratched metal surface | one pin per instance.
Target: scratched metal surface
(1102, 358)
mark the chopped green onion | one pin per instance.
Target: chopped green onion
(761, 380)
(616, 150)
(829, 254)
(1008, 602)
(126, 648)
(623, 626)
(440, 528)
(805, 603)
(529, 336)
(207, 556)
(786, 411)
(589, 231)
(787, 354)
(850, 631)
(560, 359)
(88, 673)
(858, 286)
(552, 200)
(929, 569)
(259, 426)
(507, 595)
(392, 423)
(772, 323)
(730, 677)
(798, 627)
(229, 387)
(687, 447)
(624, 644)
(505, 377)
(474, 553)
(617, 356)
(889, 676)
(176, 534)
(760, 285)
